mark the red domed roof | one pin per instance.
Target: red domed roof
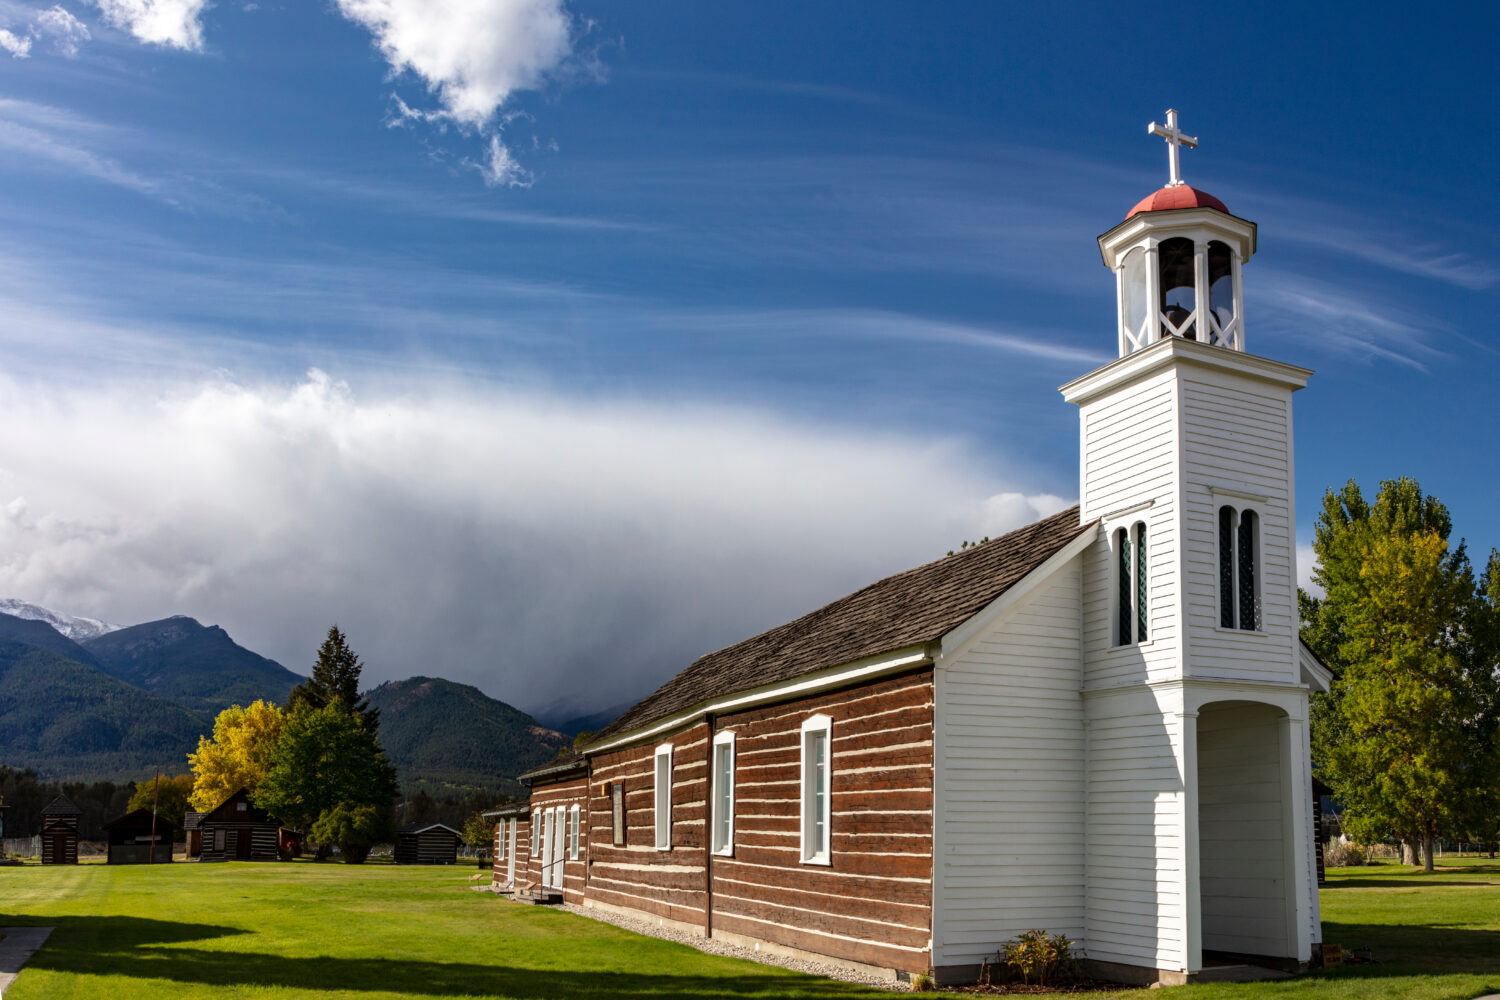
(1180, 196)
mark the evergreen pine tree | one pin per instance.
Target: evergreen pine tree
(335, 676)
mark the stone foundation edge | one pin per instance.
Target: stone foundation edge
(747, 942)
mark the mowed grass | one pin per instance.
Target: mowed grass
(377, 932)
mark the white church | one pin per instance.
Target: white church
(1096, 725)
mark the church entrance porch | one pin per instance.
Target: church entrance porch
(1247, 844)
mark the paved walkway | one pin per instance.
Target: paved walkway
(19, 945)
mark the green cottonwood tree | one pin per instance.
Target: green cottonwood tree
(335, 676)
(325, 758)
(1405, 738)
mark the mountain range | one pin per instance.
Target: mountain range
(82, 699)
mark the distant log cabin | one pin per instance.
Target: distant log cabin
(132, 835)
(60, 832)
(512, 840)
(237, 831)
(192, 829)
(426, 844)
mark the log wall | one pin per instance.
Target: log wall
(872, 904)
(666, 884)
(546, 796)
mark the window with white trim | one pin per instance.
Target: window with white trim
(723, 793)
(1239, 568)
(817, 774)
(500, 840)
(663, 797)
(536, 833)
(1131, 598)
(573, 833)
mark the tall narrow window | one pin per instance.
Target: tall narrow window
(617, 813)
(500, 841)
(663, 799)
(817, 772)
(723, 793)
(573, 833)
(1131, 589)
(1226, 567)
(1239, 569)
(536, 833)
(1249, 606)
(1140, 582)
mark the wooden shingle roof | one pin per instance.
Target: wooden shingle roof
(918, 606)
(565, 763)
(61, 806)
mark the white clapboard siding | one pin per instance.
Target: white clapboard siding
(1237, 436)
(1242, 850)
(1135, 913)
(1130, 460)
(1010, 778)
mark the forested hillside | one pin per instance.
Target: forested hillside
(442, 735)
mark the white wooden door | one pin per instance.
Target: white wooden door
(560, 824)
(548, 834)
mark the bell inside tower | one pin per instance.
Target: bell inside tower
(1179, 296)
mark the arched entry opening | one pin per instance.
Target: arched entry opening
(1246, 851)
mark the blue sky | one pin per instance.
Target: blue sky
(636, 328)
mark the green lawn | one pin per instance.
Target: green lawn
(304, 930)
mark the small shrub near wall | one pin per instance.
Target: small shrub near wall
(1338, 854)
(1040, 959)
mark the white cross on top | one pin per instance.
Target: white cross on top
(1175, 140)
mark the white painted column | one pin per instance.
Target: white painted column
(1239, 298)
(1200, 293)
(1297, 835)
(1192, 917)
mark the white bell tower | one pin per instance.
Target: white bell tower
(1177, 260)
(1189, 601)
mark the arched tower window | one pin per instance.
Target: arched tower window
(1131, 619)
(1179, 295)
(1223, 303)
(1239, 568)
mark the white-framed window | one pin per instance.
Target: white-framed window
(817, 798)
(723, 793)
(1239, 568)
(500, 840)
(573, 833)
(663, 797)
(536, 833)
(1132, 585)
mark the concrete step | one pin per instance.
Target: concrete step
(1238, 974)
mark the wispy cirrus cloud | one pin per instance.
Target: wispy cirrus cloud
(1395, 253)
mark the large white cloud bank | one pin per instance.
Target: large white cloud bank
(545, 549)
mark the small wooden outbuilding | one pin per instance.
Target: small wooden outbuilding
(426, 844)
(60, 832)
(132, 836)
(237, 831)
(192, 830)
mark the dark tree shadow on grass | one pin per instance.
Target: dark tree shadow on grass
(132, 947)
(1417, 949)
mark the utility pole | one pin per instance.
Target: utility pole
(155, 799)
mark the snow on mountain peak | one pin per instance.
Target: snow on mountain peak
(75, 628)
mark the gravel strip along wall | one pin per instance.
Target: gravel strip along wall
(712, 947)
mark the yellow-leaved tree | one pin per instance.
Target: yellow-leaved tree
(238, 756)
